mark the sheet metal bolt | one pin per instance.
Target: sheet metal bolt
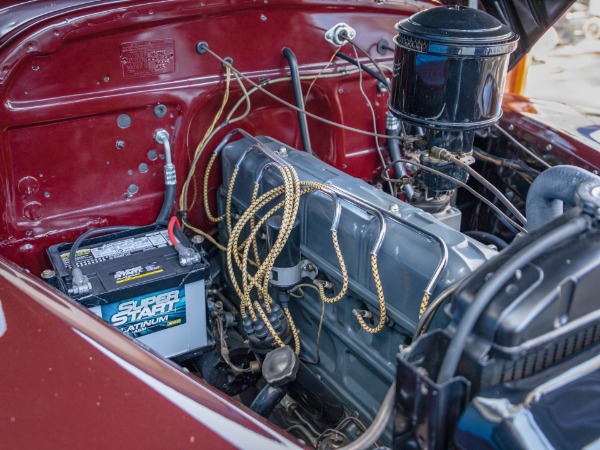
(197, 239)
(120, 145)
(282, 151)
(394, 208)
(48, 274)
(309, 268)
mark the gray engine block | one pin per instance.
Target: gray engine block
(358, 365)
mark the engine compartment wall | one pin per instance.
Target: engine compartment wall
(66, 165)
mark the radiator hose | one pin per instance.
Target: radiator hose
(551, 189)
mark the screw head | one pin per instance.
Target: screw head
(394, 208)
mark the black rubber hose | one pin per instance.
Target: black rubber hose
(488, 238)
(295, 74)
(374, 74)
(266, 400)
(551, 189)
(399, 167)
(167, 206)
(504, 273)
(90, 233)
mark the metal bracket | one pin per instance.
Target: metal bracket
(339, 34)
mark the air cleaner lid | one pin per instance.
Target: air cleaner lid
(455, 30)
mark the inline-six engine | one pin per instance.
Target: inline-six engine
(375, 259)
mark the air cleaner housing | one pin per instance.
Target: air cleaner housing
(449, 73)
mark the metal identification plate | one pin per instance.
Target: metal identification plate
(147, 58)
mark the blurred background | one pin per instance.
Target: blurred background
(564, 65)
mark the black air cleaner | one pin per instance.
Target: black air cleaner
(449, 73)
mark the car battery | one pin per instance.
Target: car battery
(140, 287)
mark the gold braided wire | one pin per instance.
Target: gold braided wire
(342, 264)
(252, 224)
(291, 190)
(424, 304)
(208, 135)
(232, 243)
(234, 238)
(209, 215)
(246, 245)
(228, 199)
(380, 297)
(295, 333)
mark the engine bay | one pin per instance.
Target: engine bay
(330, 222)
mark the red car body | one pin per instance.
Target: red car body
(67, 71)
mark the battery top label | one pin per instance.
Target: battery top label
(118, 249)
(136, 273)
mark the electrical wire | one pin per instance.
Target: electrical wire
(321, 320)
(521, 146)
(229, 120)
(224, 348)
(260, 279)
(246, 97)
(519, 167)
(459, 182)
(210, 132)
(174, 221)
(506, 202)
(370, 105)
(90, 233)
(293, 107)
(357, 63)
(205, 235)
(377, 66)
(333, 56)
